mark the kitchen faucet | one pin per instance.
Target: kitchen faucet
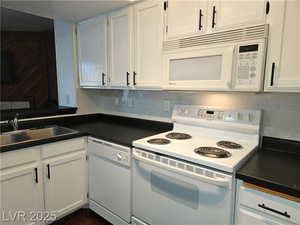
(14, 122)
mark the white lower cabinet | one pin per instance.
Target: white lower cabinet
(261, 208)
(249, 217)
(20, 187)
(65, 183)
(65, 176)
(41, 184)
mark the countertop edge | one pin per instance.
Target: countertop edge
(268, 184)
(41, 142)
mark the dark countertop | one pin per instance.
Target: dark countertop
(116, 129)
(275, 166)
(121, 133)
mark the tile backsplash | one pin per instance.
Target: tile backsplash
(281, 111)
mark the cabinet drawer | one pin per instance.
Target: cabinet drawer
(63, 147)
(270, 204)
(18, 157)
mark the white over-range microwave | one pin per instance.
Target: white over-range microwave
(234, 65)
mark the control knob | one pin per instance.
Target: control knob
(119, 157)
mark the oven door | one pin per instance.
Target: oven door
(169, 192)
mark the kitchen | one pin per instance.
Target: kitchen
(182, 108)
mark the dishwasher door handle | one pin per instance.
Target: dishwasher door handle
(216, 181)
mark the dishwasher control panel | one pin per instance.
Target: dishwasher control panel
(110, 151)
(121, 156)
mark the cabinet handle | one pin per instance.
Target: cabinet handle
(165, 5)
(36, 175)
(214, 17)
(200, 19)
(274, 210)
(48, 168)
(103, 75)
(127, 78)
(267, 7)
(272, 74)
(134, 78)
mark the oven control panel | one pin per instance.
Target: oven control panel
(211, 114)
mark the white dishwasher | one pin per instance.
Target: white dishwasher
(109, 181)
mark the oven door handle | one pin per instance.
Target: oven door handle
(216, 181)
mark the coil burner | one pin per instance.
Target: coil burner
(212, 152)
(159, 141)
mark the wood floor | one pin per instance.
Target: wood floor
(82, 217)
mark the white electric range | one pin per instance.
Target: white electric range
(186, 176)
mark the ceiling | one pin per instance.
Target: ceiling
(67, 10)
(12, 20)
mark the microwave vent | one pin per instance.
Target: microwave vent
(237, 35)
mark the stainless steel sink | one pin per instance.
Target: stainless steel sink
(19, 136)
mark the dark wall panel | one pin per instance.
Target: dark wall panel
(34, 66)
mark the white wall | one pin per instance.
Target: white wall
(281, 111)
(65, 63)
(69, 93)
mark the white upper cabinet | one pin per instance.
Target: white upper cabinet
(148, 17)
(283, 67)
(121, 49)
(197, 17)
(185, 18)
(92, 52)
(231, 14)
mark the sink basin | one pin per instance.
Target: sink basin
(20, 136)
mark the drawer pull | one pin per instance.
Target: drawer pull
(274, 210)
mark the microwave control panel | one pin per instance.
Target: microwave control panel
(250, 61)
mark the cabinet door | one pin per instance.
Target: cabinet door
(65, 183)
(247, 217)
(230, 14)
(21, 194)
(185, 18)
(92, 52)
(120, 47)
(283, 67)
(148, 44)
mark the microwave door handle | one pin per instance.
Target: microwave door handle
(215, 181)
(234, 75)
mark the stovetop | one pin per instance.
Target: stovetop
(218, 138)
(185, 149)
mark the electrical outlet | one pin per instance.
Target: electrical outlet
(166, 106)
(130, 102)
(117, 101)
(68, 99)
